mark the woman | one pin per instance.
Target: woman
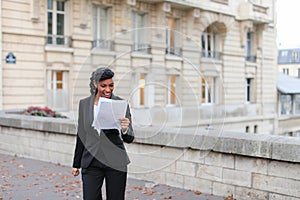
(101, 153)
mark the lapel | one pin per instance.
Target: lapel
(91, 110)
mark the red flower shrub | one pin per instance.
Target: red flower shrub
(43, 112)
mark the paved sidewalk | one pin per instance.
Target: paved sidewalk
(27, 179)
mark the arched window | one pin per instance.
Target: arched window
(211, 43)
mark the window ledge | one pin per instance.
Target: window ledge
(288, 116)
(57, 48)
(141, 55)
(172, 57)
(98, 51)
(207, 104)
(211, 60)
(250, 64)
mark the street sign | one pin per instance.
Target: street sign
(10, 58)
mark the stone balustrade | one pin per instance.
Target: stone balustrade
(249, 166)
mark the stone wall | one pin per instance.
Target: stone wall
(248, 166)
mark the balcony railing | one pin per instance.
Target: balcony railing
(103, 44)
(171, 50)
(251, 58)
(212, 54)
(143, 48)
(59, 40)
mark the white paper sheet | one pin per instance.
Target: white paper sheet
(108, 113)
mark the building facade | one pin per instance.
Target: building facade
(179, 63)
(289, 61)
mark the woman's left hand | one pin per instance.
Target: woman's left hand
(124, 124)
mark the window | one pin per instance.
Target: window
(285, 71)
(248, 90)
(288, 134)
(140, 42)
(295, 56)
(102, 27)
(173, 37)
(209, 43)
(284, 53)
(286, 104)
(142, 84)
(208, 90)
(250, 57)
(143, 95)
(172, 89)
(57, 85)
(297, 104)
(247, 129)
(255, 128)
(57, 33)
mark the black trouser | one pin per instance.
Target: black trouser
(92, 180)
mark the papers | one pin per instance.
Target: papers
(108, 113)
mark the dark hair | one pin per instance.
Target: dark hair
(100, 74)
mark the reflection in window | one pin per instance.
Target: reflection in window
(286, 104)
(208, 90)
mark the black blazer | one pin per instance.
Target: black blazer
(107, 147)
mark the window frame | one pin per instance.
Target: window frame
(248, 90)
(172, 89)
(53, 36)
(101, 39)
(140, 34)
(55, 92)
(250, 47)
(173, 39)
(286, 111)
(208, 90)
(286, 71)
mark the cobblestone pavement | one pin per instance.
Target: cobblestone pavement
(28, 179)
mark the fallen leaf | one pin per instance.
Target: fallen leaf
(230, 197)
(65, 177)
(197, 192)
(137, 187)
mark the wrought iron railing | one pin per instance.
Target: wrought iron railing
(143, 48)
(251, 58)
(103, 44)
(212, 54)
(59, 40)
(174, 50)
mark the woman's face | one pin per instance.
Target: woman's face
(105, 88)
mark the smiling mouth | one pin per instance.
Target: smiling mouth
(106, 94)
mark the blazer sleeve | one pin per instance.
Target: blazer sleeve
(79, 139)
(129, 136)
